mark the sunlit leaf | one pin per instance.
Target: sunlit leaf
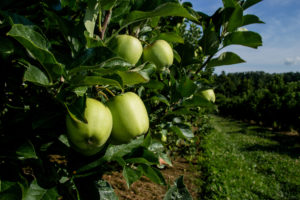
(38, 47)
(226, 58)
(245, 38)
(90, 17)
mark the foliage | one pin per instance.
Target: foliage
(54, 54)
(272, 99)
(242, 161)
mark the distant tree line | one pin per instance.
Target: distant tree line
(269, 99)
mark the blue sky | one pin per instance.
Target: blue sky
(280, 33)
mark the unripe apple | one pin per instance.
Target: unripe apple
(127, 47)
(160, 53)
(130, 117)
(89, 138)
(209, 95)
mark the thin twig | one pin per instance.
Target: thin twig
(205, 63)
(105, 23)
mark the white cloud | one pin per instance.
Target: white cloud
(292, 61)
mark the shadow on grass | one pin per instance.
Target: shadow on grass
(288, 144)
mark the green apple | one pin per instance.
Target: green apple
(89, 138)
(209, 95)
(130, 117)
(160, 53)
(127, 47)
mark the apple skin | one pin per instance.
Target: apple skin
(89, 138)
(128, 47)
(209, 95)
(130, 117)
(160, 53)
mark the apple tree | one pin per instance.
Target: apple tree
(68, 68)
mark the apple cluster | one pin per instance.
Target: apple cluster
(130, 48)
(123, 118)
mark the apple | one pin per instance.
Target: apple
(209, 95)
(89, 138)
(160, 53)
(130, 117)
(127, 47)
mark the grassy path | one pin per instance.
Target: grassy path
(243, 161)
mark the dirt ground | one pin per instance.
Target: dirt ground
(144, 189)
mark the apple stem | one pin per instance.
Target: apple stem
(110, 92)
(105, 23)
(103, 94)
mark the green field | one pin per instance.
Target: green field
(242, 161)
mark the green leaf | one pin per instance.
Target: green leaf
(139, 161)
(92, 42)
(236, 19)
(112, 153)
(186, 87)
(35, 192)
(164, 10)
(229, 3)
(154, 85)
(160, 98)
(132, 78)
(210, 41)
(115, 151)
(7, 47)
(131, 175)
(26, 151)
(177, 56)
(251, 19)
(138, 75)
(156, 147)
(249, 3)
(35, 75)
(90, 17)
(68, 29)
(108, 66)
(183, 131)
(106, 191)
(107, 4)
(76, 110)
(92, 57)
(178, 191)
(226, 58)
(64, 139)
(150, 156)
(94, 80)
(153, 174)
(80, 91)
(10, 190)
(14, 18)
(170, 37)
(245, 38)
(197, 100)
(37, 46)
(166, 158)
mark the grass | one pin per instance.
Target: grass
(242, 161)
